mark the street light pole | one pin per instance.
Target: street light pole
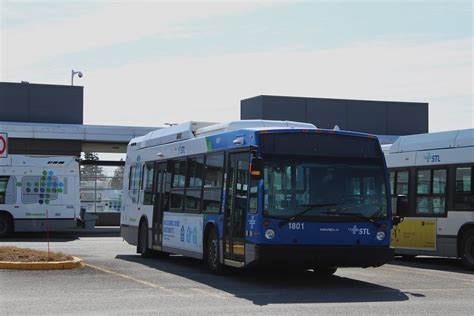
(73, 73)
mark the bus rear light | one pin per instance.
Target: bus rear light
(266, 223)
(383, 227)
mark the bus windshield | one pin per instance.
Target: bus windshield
(324, 188)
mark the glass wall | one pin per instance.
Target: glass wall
(101, 185)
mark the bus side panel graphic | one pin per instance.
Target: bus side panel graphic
(183, 231)
(415, 234)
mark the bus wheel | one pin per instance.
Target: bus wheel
(6, 225)
(213, 254)
(468, 249)
(408, 257)
(142, 247)
(325, 271)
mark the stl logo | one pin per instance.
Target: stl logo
(354, 230)
(431, 158)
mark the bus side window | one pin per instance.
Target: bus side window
(253, 196)
(213, 179)
(178, 177)
(194, 184)
(147, 183)
(3, 189)
(398, 186)
(134, 182)
(431, 192)
(464, 191)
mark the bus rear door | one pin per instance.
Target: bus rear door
(159, 204)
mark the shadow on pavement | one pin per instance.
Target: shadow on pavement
(63, 236)
(275, 287)
(433, 263)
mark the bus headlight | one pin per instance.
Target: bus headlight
(380, 236)
(270, 234)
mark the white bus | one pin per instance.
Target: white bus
(431, 181)
(38, 194)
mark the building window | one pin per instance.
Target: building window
(431, 192)
(102, 187)
(213, 178)
(464, 193)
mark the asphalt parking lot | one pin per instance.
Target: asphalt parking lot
(118, 281)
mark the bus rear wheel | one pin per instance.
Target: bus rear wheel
(468, 249)
(6, 225)
(213, 253)
(142, 247)
(325, 271)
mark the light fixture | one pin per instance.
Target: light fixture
(73, 73)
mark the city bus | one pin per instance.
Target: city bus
(39, 194)
(253, 192)
(431, 186)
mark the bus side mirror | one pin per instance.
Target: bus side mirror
(402, 205)
(256, 168)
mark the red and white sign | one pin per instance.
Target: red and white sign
(3, 145)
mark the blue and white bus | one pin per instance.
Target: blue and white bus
(253, 192)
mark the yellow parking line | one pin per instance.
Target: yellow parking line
(128, 277)
(467, 281)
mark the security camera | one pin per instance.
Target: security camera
(79, 74)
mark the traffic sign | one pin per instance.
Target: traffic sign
(3, 145)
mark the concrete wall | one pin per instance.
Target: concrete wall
(41, 103)
(376, 117)
(48, 147)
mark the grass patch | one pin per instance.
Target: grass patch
(15, 254)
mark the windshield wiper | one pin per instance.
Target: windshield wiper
(308, 208)
(358, 215)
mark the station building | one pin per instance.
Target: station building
(43, 119)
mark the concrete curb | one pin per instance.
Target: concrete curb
(59, 265)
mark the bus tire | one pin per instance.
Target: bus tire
(325, 271)
(6, 225)
(142, 247)
(408, 257)
(467, 247)
(213, 253)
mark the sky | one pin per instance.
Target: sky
(146, 63)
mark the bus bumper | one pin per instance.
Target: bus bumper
(311, 256)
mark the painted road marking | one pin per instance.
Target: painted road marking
(128, 277)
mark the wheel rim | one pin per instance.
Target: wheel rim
(469, 253)
(212, 255)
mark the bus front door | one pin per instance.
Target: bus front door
(158, 204)
(236, 208)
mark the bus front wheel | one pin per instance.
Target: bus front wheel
(213, 253)
(6, 225)
(468, 249)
